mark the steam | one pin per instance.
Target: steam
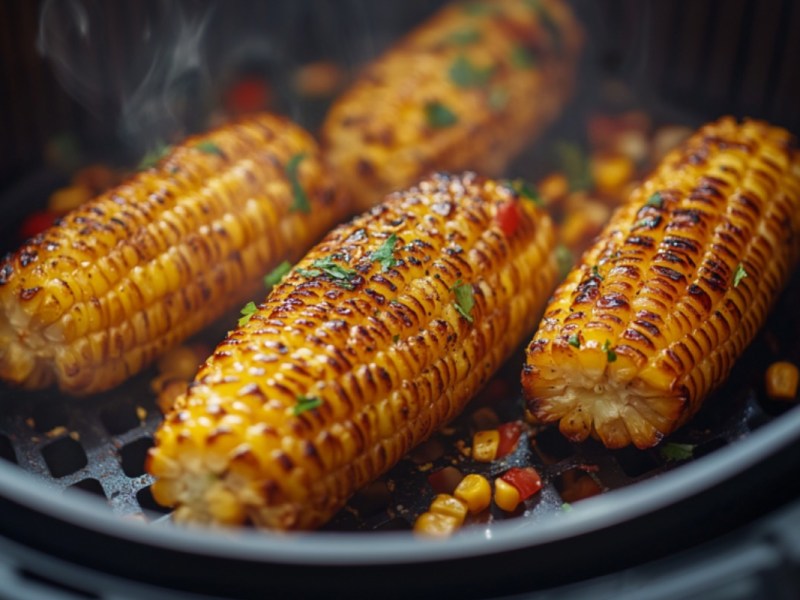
(160, 89)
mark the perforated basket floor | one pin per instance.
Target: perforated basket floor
(98, 444)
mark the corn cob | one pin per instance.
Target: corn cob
(672, 291)
(466, 90)
(97, 297)
(376, 339)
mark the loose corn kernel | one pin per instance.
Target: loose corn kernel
(435, 525)
(67, 198)
(611, 171)
(553, 187)
(445, 504)
(506, 496)
(782, 378)
(474, 491)
(484, 445)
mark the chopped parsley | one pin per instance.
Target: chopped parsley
(522, 57)
(527, 191)
(395, 338)
(739, 275)
(656, 201)
(341, 276)
(575, 165)
(466, 75)
(674, 451)
(277, 274)
(384, 254)
(209, 147)
(565, 260)
(301, 203)
(498, 98)
(465, 299)
(464, 37)
(306, 403)
(596, 273)
(247, 312)
(439, 116)
(156, 154)
(610, 354)
(574, 340)
(648, 222)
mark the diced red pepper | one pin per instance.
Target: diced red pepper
(527, 481)
(248, 95)
(508, 217)
(509, 436)
(36, 223)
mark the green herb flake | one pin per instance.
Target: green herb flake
(675, 452)
(306, 403)
(395, 338)
(498, 98)
(339, 275)
(465, 299)
(247, 312)
(522, 57)
(439, 116)
(209, 147)
(575, 165)
(152, 158)
(656, 201)
(596, 273)
(466, 75)
(565, 260)
(739, 275)
(527, 191)
(301, 203)
(574, 340)
(277, 275)
(647, 223)
(610, 354)
(464, 37)
(384, 254)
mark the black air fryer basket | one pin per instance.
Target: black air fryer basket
(77, 518)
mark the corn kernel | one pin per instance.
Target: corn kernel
(445, 504)
(611, 171)
(782, 379)
(65, 199)
(484, 445)
(553, 186)
(474, 491)
(435, 525)
(506, 496)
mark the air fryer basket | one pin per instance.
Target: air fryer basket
(75, 506)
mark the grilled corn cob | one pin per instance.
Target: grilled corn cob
(467, 89)
(672, 291)
(376, 339)
(96, 298)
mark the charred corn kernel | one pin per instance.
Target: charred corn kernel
(474, 491)
(375, 340)
(506, 496)
(436, 525)
(445, 504)
(466, 90)
(672, 291)
(782, 380)
(68, 198)
(484, 445)
(610, 172)
(132, 273)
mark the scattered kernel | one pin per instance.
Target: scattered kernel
(506, 496)
(435, 525)
(782, 380)
(485, 444)
(474, 491)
